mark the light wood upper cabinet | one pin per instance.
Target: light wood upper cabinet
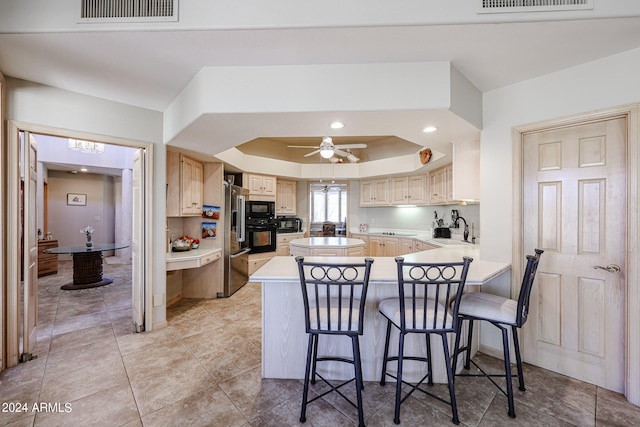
(184, 185)
(375, 193)
(441, 185)
(466, 170)
(409, 190)
(286, 197)
(261, 187)
(192, 186)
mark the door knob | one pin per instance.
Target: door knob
(611, 268)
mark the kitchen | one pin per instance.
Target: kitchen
(504, 108)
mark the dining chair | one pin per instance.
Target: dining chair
(328, 229)
(334, 298)
(427, 304)
(504, 314)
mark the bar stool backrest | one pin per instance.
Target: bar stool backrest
(525, 288)
(430, 294)
(334, 296)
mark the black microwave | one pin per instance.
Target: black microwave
(288, 224)
(258, 209)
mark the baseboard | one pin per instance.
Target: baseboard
(174, 300)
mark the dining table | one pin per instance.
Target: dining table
(87, 264)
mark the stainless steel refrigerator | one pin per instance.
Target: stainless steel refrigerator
(235, 241)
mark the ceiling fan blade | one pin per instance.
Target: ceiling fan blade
(352, 158)
(312, 153)
(351, 146)
(301, 146)
(341, 153)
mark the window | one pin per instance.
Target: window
(328, 202)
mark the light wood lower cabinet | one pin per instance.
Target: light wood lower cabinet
(282, 242)
(250, 263)
(327, 251)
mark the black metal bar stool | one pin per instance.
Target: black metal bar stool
(504, 314)
(429, 295)
(334, 300)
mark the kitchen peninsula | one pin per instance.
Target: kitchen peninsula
(284, 340)
(327, 246)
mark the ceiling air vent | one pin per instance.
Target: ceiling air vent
(502, 6)
(128, 11)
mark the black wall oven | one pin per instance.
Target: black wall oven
(261, 235)
(261, 226)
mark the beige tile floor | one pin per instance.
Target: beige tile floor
(204, 369)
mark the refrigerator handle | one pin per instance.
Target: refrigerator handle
(240, 224)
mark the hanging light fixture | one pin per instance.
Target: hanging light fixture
(86, 146)
(326, 148)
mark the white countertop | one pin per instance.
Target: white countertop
(192, 259)
(283, 268)
(327, 242)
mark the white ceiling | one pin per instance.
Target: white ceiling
(150, 68)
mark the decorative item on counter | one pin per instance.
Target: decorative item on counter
(362, 228)
(48, 236)
(184, 243)
(88, 231)
(208, 230)
(211, 212)
(425, 156)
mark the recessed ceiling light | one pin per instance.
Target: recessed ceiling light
(84, 170)
(429, 129)
(337, 125)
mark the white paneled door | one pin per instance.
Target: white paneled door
(575, 209)
(137, 242)
(30, 249)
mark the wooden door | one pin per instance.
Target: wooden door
(137, 242)
(30, 252)
(574, 199)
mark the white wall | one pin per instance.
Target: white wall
(65, 221)
(608, 82)
(34, 104)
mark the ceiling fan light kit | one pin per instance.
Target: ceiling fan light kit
(327, 149)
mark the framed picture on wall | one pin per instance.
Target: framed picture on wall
(74, 199)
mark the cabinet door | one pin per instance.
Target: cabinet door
(417, 189)
(448, 183)
(398, 191)
(366, 193)
(173, 184)
(285, 197)
(391, 246)
(254, 184)
(406, 246)
(381, 192)
(268, 185)
(192, 186)
(437, 190)
(376, 246)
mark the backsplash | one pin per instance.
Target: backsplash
(415, 218)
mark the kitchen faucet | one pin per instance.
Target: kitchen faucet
(466, 227)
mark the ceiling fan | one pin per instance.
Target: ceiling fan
(327, 149)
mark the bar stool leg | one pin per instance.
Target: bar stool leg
(514, 332)
(396, 418)
(383, 377)
(507, 370)
(429, 366)
(358, 372)
(305, 392)
(456, 348)
(315, 358)
(467, 361)
(452, 391)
